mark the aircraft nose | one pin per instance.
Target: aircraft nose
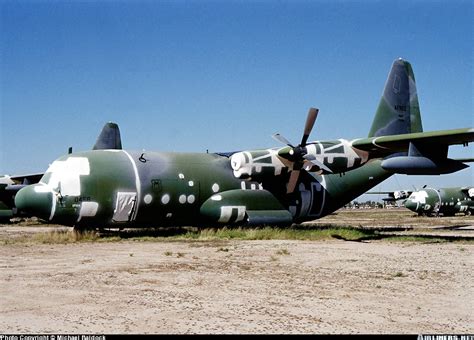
(409, 204)
(36, 200)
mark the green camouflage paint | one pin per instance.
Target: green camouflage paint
(111, 187)
(443, 201)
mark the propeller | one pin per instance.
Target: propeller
(298, 154)
(310, 119)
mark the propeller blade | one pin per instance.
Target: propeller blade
(321, 165)
(281, 139)
(312, 115)
(297, 153)
(294, 175)
(317, 163)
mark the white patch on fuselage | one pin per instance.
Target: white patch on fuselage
(419, 197)
(88, 209)
(43, 188)
(65, 175)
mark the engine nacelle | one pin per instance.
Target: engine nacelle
(338, 155)
(249, 207)
(255, 164)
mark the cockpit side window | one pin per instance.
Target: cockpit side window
(46, 177)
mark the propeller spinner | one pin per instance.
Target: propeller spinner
(297, 154)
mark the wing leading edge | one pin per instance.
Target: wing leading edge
(419, 153)
(400, 143)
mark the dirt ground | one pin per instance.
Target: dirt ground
(236, 286)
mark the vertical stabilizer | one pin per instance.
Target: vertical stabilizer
(398, 111)
(109, 138)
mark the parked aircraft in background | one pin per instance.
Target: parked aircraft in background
(112, 187)
(435, 202)
(9, 186)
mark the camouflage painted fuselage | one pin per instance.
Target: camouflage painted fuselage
(118, 188)
(113, 187)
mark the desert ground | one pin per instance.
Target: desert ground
(171, 285)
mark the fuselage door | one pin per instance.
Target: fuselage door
(125, 207)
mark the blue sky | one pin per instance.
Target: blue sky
(223, 75)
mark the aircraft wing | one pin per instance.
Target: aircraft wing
(399, 143)
(9, 186)
(393, 195)
(26, 179)
(419, 153)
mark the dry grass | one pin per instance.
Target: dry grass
(345, 224)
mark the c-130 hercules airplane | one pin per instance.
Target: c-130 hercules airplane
(112, 187)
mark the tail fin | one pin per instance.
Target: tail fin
(109, 138)
(398, 111)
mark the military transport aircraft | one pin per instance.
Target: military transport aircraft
(435, 202)
(112, 187)
(9, 186)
